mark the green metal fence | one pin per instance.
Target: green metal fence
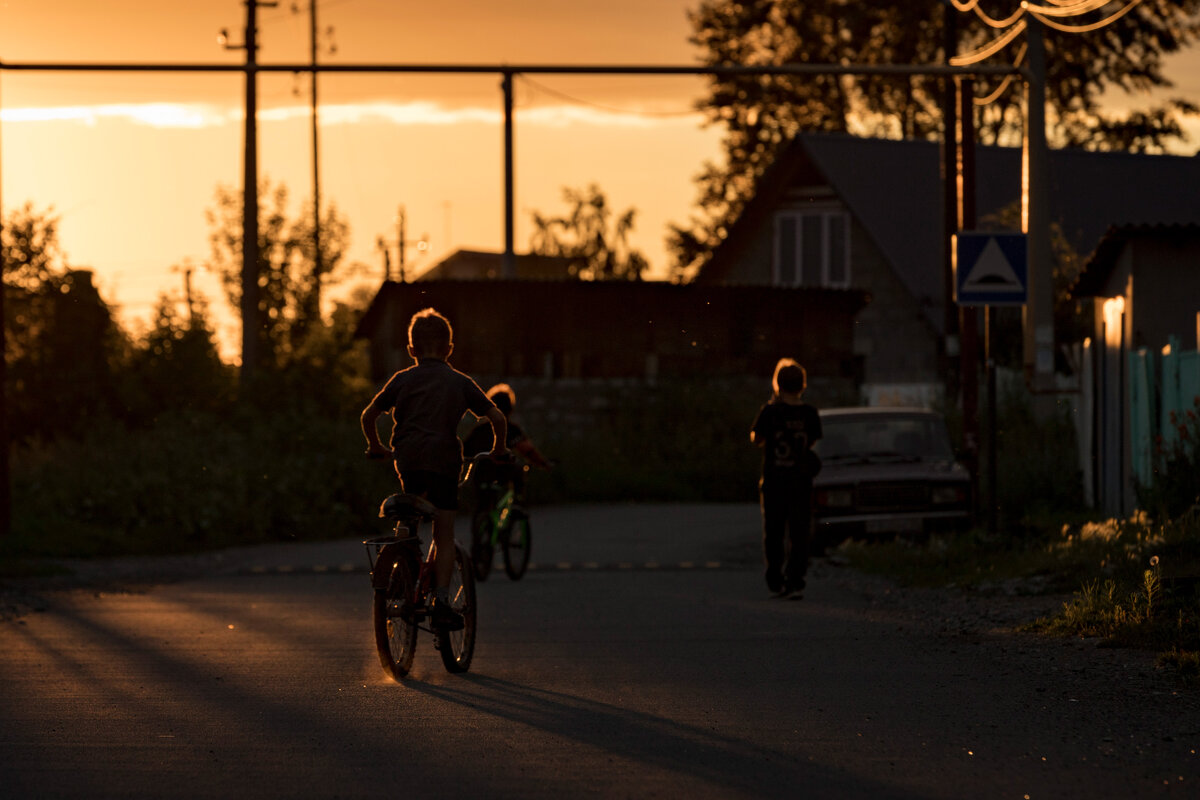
(1152, 403)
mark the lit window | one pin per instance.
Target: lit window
(812, 248)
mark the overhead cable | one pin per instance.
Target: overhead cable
(1089, 27)
(989, 49)
(1004, 84)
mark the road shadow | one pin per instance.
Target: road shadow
(723, 761)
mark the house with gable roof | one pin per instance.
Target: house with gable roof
(839, 211)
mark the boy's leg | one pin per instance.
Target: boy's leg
(799, 524)
(774, 515)
(443, 537)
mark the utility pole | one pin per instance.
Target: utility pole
(951, 341)
(1039, 312)
(402, 243)
(318, 272)
(250, 204)
(250, 326)
(400, 232)
(5, 476)
(508, 266)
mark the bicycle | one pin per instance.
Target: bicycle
(402, 577)
(502, 521)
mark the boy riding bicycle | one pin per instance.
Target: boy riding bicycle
(426, 402)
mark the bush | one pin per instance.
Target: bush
(194, 482)
(1037, 465)
(1174, 487)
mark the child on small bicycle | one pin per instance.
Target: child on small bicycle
(426, 402)
(479, 438)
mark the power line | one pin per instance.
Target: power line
(612, 109)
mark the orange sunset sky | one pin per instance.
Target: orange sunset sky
(130, 162)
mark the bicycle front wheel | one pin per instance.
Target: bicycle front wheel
(516, 547)
(457, 647)
(394, 614)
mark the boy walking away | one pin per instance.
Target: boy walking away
(786, 429)
(426, 402)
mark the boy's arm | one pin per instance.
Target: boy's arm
(499, 430)
(368, 419)
(528, 451)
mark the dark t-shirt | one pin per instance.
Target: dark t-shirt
(426, 403)
(785, 431)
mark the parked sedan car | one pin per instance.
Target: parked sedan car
(887, 472)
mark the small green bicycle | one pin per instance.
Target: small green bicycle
(502, 522)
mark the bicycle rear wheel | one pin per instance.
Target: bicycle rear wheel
(394, 614)
(481, 544)
(457, 647)
(516, 547)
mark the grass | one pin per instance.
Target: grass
(1134, 583)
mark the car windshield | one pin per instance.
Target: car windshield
(884, 436)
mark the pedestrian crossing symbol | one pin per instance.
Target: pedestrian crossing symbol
(990, 269)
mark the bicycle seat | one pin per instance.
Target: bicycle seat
(406, 506)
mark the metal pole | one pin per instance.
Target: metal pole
(5, 468)
(951, 344)
(1039, 312)
(508, 266)
(400, 241)
(250, 327)
(316, 169)
(990, 366)
(968, 316)
(727, 70)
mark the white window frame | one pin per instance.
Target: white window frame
(791, 276)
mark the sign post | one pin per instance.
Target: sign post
(990, 269)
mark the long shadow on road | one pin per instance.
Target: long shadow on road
(721, 762)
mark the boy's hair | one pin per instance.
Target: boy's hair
(790, 377)
(503, 396)
(429, 333)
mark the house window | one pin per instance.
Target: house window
(812, 248)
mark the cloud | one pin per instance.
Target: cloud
(198, 115)
(156, 115)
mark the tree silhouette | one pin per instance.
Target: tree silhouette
(63, 348)
(590, 234)
(761, 113)
(290, 287)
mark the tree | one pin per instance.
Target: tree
(589, 234)
(63, 348)
(176, 365)
(289, 284)
(761, 113)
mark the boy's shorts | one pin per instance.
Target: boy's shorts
(441, 490)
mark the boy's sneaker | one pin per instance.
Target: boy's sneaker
(443, 617)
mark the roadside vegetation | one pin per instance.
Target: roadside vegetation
(1133, 582)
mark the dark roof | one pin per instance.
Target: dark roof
(487, 265)
(1094, 277)
(606, 295)
(894, 189)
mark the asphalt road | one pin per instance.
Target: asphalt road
(640, 658)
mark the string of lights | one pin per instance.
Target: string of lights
(1004, 84)
(1048, 15)
(1066, 9)
(1089, 27)
(1000, 23)
(989, 49)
